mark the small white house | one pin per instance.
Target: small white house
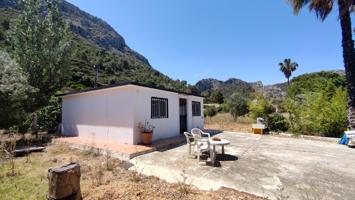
(114, 112)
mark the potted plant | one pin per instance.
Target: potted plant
(147, 131)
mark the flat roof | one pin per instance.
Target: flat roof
(125, 84)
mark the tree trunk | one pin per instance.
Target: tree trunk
(288, 81)
(64, 182)
(349, 57)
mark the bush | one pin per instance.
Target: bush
(217, 97)
(277, 122)
(76, 86)
(210, 111)
(260, 107)
(318, 113)
(224, 108)
(48, 118)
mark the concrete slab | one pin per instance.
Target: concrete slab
(268, 166)
(120, 151)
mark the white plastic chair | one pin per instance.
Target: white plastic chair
(198, 133)
(202, 147)
(191, 142)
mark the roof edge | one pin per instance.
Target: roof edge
(126, 84)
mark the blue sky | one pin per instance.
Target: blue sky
(195, 39)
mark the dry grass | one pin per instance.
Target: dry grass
(97, 182)
(225, 121)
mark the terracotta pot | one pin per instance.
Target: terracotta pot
(147, 138)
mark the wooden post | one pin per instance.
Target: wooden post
(64, 182)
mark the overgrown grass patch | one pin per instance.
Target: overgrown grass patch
(225, 121)
(97, 180)
(30, 181)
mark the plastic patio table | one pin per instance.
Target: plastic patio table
(221, 143)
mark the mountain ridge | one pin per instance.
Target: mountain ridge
(93, 29)
(231, 85)
(95, 41)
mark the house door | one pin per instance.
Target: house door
(183, 115)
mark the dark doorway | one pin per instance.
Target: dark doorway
(183, 115)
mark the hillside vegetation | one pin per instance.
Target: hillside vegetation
(313, 104)
(92, 43)
(317, 104)
(96, 43)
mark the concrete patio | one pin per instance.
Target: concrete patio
(263, 165)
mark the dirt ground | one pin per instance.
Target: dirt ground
(102, 178)
(225, 121)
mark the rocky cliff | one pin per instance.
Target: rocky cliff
(90, 28)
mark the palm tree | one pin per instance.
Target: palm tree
(287, 67)
(322, 8)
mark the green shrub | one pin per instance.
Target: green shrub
(277, 122)
(335, 117)
(76, 86)
(318, 113)
(217, 97)
(48, 117)
(260, 107)
(224, 108)
(219, 109)
(210, 111)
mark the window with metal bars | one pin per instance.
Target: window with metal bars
(196, 108)
(159, 108)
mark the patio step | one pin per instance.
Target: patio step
(165, 144)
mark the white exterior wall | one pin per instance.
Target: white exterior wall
(164, 127)
(114, 114)
(102, 114)
(194, 121)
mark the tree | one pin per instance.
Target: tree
(322, 10)
(260, 107)
(6, 24)
(191, 89)
(217, 97)
(15, 92)
(41, 44)
(210, 111)
(287, 67)
(238, 105)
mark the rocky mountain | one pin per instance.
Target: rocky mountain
(234, 85)
(92, 29)
(275, 91)
(227, 87)
(95, 41)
